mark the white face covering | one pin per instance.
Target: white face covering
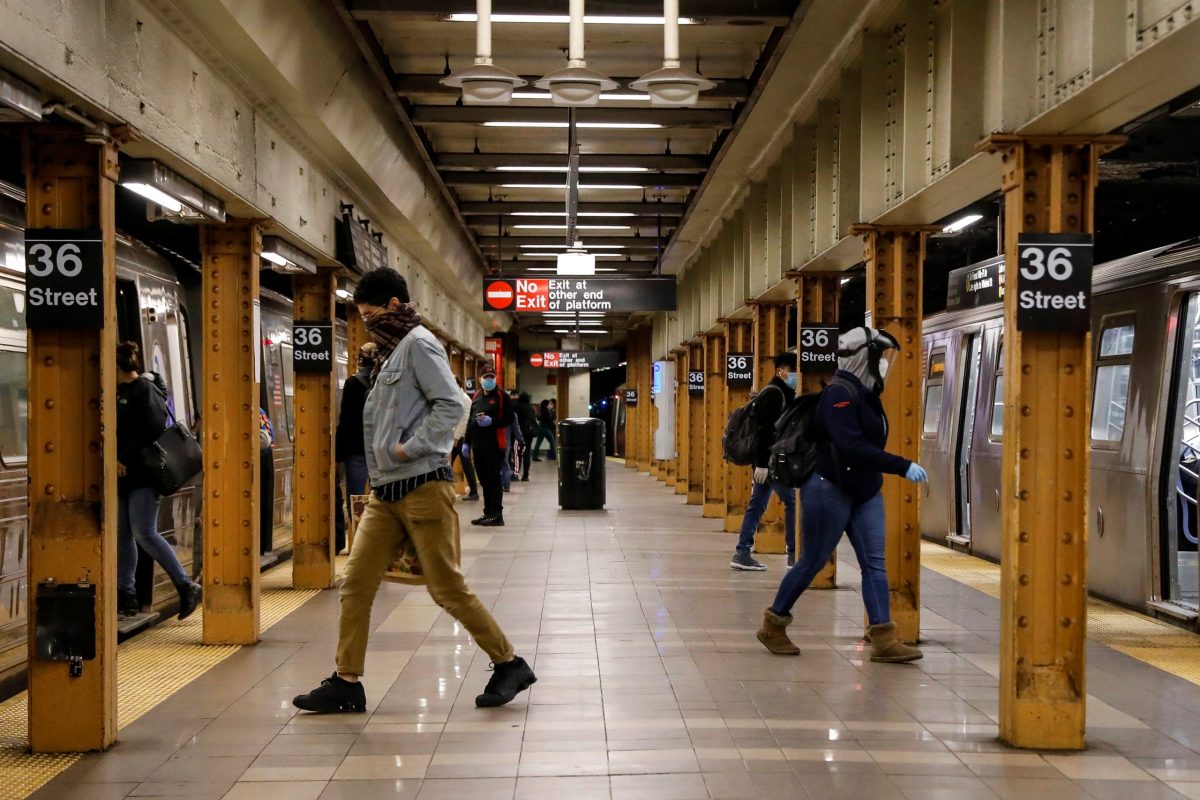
(884, 364)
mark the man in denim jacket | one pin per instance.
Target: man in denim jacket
(408, 430)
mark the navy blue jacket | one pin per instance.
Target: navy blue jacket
(857, 429)
(767, 409)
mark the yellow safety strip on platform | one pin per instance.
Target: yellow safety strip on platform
(150, 668)
(1171, 649)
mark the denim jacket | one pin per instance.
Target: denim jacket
(414, 402)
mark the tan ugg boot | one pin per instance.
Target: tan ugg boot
(887, 648)
(773, 634)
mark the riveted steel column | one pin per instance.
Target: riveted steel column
(895, 258)
(231, 400)
(817, 304)
(312, 527)
(714, 420)
(356, 335)
(649, 421)
(72, 450)
(678, 477)
(739, 337)
(770, 338)
(1049, 187)
(697, 440)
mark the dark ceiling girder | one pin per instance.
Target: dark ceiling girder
(430, 85)
(667, 117)
(654, 161)
(627, 242)
(473, 208)
(647, 180)
(713, 12)
(487, 224)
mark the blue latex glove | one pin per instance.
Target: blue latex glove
(483, 421)
(465, 451)
(916, 473)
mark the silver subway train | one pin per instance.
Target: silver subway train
(153, 309)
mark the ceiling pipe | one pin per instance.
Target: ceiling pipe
(672, 85)
(576, 85)
(484, 83)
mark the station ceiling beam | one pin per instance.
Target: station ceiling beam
(666, 117)
(709, 12)
(735, 89)
(654, 161)
(552, 180)
(556, 208)
(487, 224)
(625, 242)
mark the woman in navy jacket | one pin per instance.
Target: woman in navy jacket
(843, 494)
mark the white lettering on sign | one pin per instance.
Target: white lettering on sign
(1054, 282)
(49, 297)
(44, 260)
(309, 336)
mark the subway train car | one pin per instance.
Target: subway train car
(152, 309)
(1145, 427)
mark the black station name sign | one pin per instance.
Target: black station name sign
(975, 286)
(818, 348)
(538, 295)
(64, 278)
(696, 382)
(739, 369)
(312, 346)
(631, 397)
(1054, 282)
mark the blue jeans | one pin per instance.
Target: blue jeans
(760, 496)
(545, 433)
(137, 524)
(355, 469)
(827, 512)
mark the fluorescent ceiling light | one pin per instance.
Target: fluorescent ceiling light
(962, 222)
(614, 126)
(616, 256)
(567, 330)
(345, 295)
(155, 196)
(577, 227)
(580, 214)
(603, 96)
(564, 247)
(518, 168)
(170, 190)
(275, 258)
(563, 19)
(287, 256)
(843, 281)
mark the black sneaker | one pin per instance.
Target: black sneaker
(127, 604)
(506, 489)
(333, 696)
(189, 598)
(507, 680)
(472, 497)
(524, 478)
(791, 555)
(742, 560)
(495, 521)
(481, 520)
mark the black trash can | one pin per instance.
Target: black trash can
(581, 464)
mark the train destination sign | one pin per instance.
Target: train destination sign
(1054, 282)
(537, 295)
(64, 278)
(312, 346)
(581, 359)
(739, 369)
(818, 348)
(696, 382)
(975, 286)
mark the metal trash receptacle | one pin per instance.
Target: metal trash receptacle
(581, 464)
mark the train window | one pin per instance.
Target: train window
(12, 309)
(1111, 394)
(997, 431)
(934, 386)
(289, 388)
(14, 407)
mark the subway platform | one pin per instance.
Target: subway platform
(651, 686)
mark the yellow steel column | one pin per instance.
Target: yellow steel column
(356, 335)
(738, 339)
(714, 424)
(770, 338)
(1049, 186)
(312, 525)
(816, 304)
(677, 469)
(633, 414)
(231, 399)
(697, 439)
(895, 259)
(72, 450)
(646, 424)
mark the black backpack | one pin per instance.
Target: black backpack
(798, 439)
(737, 443)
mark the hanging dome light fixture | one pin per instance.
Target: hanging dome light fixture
(483, 83)
(672, 85)
(576, 85)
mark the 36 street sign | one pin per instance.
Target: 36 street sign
(312, 346)
(64, 278)
(537, 295)
(581, 359)
(631, 397)
(696, 382)
(1054, 282)
(739, 369)
(818, 348)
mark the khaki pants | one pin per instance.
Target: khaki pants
(427, 516)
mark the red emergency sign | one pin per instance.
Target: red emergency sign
(535, 359)
(520, 294)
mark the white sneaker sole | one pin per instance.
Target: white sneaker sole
(744, 568)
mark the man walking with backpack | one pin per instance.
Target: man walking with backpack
(769, 405)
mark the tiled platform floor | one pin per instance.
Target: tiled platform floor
(651, 687)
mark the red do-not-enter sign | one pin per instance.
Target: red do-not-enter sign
(500, 294)
(535, 359)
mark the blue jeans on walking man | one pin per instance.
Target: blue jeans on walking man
(827, 513)
(760, 496)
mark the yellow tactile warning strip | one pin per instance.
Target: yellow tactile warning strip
(1171, 649)
(150, 668)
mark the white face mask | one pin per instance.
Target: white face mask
(883, 368)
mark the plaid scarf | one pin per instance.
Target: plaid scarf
(386, 329)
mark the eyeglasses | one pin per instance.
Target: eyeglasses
(373, 314)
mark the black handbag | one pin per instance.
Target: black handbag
(173, 459)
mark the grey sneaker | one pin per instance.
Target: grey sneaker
(742, 560)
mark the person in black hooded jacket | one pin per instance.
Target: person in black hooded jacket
(142, 416)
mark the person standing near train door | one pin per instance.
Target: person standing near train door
(350, 452)
(487, 433)
(266, 483)
(408, 429)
